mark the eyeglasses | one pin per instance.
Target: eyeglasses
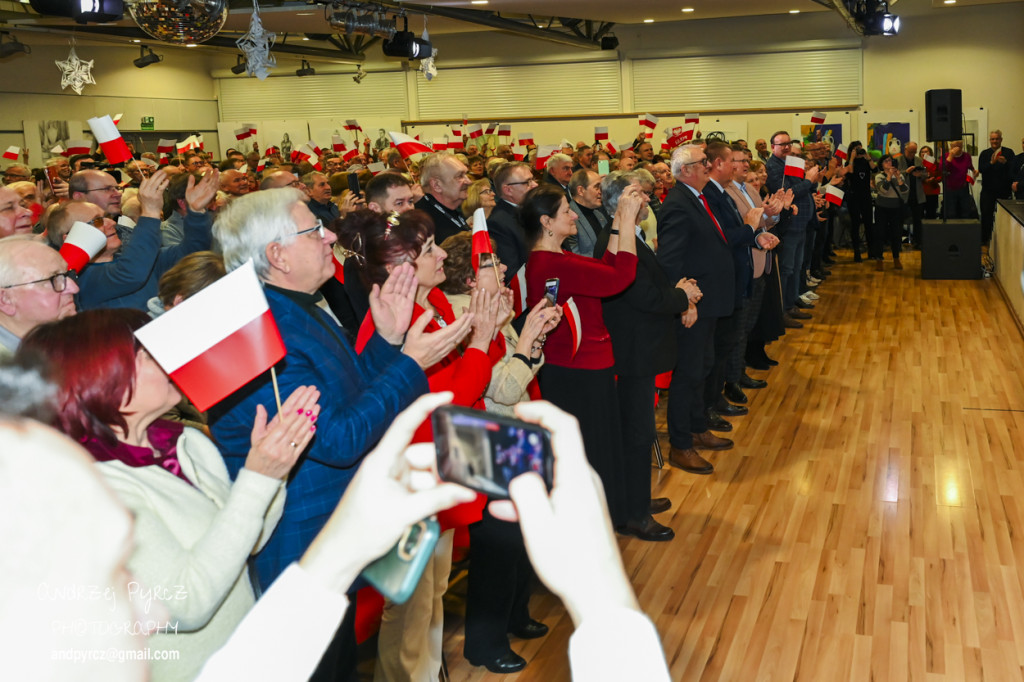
(17, 175)
(703, 162)
(59, 282)
(318, 228)
(97, 222)
(782, 144)
(522, 182)
(487, 191)
(108, 188)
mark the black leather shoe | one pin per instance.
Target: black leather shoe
(758, 364)
(509, 662)
(532, 630)
(659, 505)
(750, 382)
(798, 314)
(789, 322)
(820, 274)
(768, 360)
(716, 423)
(803, 304)
(726, 410)
(648, 530)
(733, 393)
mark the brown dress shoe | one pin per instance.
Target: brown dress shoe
(689, 460)
(789, 323)
(798, 314)
(659, 505)
(709, 441)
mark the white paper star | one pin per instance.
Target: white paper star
(255, 45)
(75, 72)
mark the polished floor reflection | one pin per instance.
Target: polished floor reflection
(869, 524)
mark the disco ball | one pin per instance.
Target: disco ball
(180, 22)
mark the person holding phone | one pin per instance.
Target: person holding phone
(892, 191)
(579, 375)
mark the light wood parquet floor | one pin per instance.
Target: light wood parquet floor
(868, 525)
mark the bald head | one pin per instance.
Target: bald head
(278, 179)
(234, 182)
(97, 187)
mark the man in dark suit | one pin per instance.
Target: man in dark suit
(558, 172)
(585, 188)
(995, 165)
(444, 182)
(692, 244)
(641, 321)
(511, 183)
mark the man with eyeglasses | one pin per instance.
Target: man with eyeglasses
(17, 173)
(792, 229)
(97, 187)
(511, 183)
(281, 178)
(35, 288)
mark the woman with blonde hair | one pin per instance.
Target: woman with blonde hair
(479, 195)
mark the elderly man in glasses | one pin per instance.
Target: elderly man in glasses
(35, 288)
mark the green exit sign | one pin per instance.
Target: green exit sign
(148, 123)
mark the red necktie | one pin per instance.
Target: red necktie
(707, 208)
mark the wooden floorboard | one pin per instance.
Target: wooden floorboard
(868, 525)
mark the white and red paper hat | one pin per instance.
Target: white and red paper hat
(81, 245)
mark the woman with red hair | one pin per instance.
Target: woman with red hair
(194, 528)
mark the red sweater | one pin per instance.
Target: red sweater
(586, 281)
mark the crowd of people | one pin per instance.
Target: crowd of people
(671, 270)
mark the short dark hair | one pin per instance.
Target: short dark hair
(771, 140)
(504, 173)
(458, 266)
(717, 149)
(376, 243)
(543, 200)
(377, 189)
(580, 178)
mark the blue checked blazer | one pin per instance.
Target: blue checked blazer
(360, 395)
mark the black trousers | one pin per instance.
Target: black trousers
(498, 588)
(748, 318)
(988, 212)
(727, 333)
(636, 405)
(861, 212)
(696, 354)
(890, 224)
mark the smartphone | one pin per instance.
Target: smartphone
(602, 168)
(396, 574)
(52, 175)
(353, 183)
(551, 290)
(485, 451)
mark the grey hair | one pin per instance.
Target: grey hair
(645, 175)
(612, 187)
(431, 166)
(25, 389)
(683, 156)
(246, 226)
(10, 253)
(558, 159)
(309, 179)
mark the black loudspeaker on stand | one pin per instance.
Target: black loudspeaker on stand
(951, 249)
(943, 114)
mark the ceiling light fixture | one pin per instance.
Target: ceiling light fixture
(648, 21)
(146, 57)
(12, 46)
(240, 66)
(687, 9)
(306, 70)
(794, 11)
(407, 46)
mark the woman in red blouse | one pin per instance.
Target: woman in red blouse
(578, 375)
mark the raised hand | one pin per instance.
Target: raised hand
(391, 305)
(276, 446)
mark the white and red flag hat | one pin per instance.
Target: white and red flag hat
(12, 153)
(518, 287)
(407, 146)
(218, 340)
(110, 140)
(795, 166)
(525, 139)
(81, 245)
(78, 147)
(817, 117)
(600, 133)
(572, 317)
(481, 237)
(834, 195)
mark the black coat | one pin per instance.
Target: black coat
(509, 238)
(740, 237)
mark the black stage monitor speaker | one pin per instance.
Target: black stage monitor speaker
(943, 112)
(951, 250)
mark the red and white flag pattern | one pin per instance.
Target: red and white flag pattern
(350, 154)
(251, 127)
(505, 130)
(525, 139)
(12, 153)
(518, 287)
(242, 133)
(111, 142)
(795, 166)
(481, 237)
(455, 141)
(834, 195)
(352, 124)
(439, 144)
(929, 162)
(544, 153)
(572, 318)
(474, 131)
(315, 147)
(600, 133)
(610, 146)
(57, 149)
(218, 340)
(117, 118)
(691, 118)
(817, 117)
(407, 146)
(78, 147)
(491, 128)
(260, 165)
(166, 146)
(81, 245)
(649, 121)
(840, 154)
(338, 144)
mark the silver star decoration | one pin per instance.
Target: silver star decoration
(255, 45)
(75, 72)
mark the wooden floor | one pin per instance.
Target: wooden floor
(869, 524)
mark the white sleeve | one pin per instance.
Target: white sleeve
(620, 644)
(284, 636)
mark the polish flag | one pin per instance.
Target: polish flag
(81, 245)
(970, 179)
(271, 150)
(166, 146)
(834, 195)
(518, 287)
(817, 117)
(352, 124)
(687, 135)
(198, 139)
(111, 142)
(376, 168)
(572, 317)
(505, 130)
(117, 118)
(544, 153)
(841, 155)
(338, 144)
(407, 146)
(474, 131)
(525, 139)
(455, 141)
(649, 121)
(929, 162)
(307, 153)
(218, 340)
(315, 147)
(350, 154)
(260, 165)
(518, 155)
(242, 133)
(491, 127)
(600, 133)
(465, 120)
(57, 149)
(439, 145)
(795, 166)
(481, 237)
(12, 153)
(610, 147)
(677, 136)
(185, 145)
(251, 127)
(691, 118)
(165, 159)
(78, 147)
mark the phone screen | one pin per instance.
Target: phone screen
(484, 451)
(551, 290)
(353, 183)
